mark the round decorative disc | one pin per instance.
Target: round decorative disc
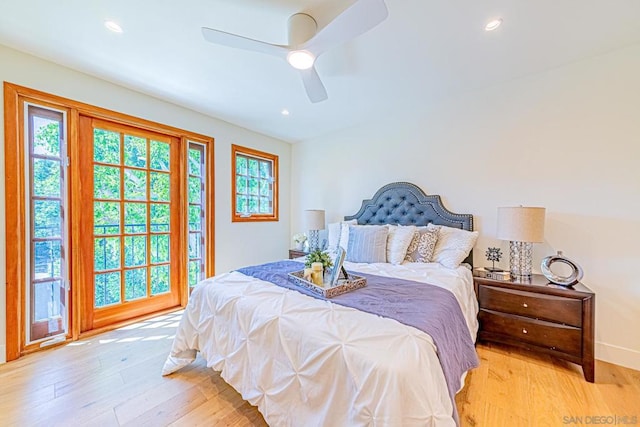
(574, 277)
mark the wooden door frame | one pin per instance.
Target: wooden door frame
(14, 98)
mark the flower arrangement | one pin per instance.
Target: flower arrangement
(318, 256)
(299, 238)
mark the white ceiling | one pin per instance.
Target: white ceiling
(426, 50)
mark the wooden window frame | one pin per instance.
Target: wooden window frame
(254, 217)
(15, 96)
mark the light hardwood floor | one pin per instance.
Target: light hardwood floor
(114, 379)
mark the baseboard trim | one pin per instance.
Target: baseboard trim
(618, 355)
(3, 354)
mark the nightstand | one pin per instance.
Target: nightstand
(295, 253)
(539, 316)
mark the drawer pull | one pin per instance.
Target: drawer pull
(524, 331)
(525, 305)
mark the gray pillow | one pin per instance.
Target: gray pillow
(367, 243)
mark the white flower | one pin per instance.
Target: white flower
(299, 238)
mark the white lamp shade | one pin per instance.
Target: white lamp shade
(314, 219)
(521, 224)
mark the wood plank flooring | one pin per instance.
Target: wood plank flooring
(113, 379)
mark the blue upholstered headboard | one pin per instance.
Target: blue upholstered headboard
(406, 204)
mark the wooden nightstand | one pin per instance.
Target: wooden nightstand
(295, 253)
(539, 316)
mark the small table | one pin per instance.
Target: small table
(296, 253)
(539, 316)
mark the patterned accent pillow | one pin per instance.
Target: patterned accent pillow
(367, 243)
(453, 245)
(422, 245)
(398, 241)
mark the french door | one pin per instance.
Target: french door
(130, 221)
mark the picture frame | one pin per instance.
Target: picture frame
(337, 268)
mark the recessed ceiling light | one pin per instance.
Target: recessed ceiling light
(284, 112)
(493, 24)
(113, 26)
(301, 59)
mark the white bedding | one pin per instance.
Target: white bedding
(308, 362)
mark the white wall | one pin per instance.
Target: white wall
(237, 244)
(567, 139)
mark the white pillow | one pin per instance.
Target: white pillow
(334, 234)
(344, 233)
(398, 242)
(453, 245)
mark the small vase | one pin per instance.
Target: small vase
(299, 246)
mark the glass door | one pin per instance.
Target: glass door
(47, 293)
(131, 220)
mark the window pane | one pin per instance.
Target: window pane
(253, 204)
(160, 187)
(135, 284)
(159, 155)
(159, 248)
(135, 217)
(46, 138)
(195, 190)
(241, 185)
(46, 300)
(265, 188)
(253, 167)
(46, 178)
(47, 260)
(106, 146)
(159, 217)
(106, 182)
(194, 273)
(265, 205)
(253, 186)
(135, 151)
(135, 251)
(194, 218)
(106, 253)
(135, 184)
(46, 218)
(195, 158)
(106, 217)
(194, 245)
(241, 165)
(159, 279)
(242, 204)
(107, 289)
(265, 169)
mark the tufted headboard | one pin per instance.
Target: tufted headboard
(406, 204)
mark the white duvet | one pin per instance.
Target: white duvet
(308, 362)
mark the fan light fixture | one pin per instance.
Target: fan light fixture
(301, 59)
(113, 26)
(492, 25)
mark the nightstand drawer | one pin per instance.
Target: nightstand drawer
(534, 305)
(562, 338)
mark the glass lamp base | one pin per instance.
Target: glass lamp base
(314, 240)
(520, 259)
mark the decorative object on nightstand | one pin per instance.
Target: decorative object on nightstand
(574, 277)
(522, 226)
(314, 222)
(539, 317)
(493, 255)
(299, 239)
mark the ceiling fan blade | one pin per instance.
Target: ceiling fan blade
(313, 85)
(236, 41)
(359, 18)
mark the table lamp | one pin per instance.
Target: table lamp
(522, 226)
(314, 222)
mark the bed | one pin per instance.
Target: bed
(307, 361)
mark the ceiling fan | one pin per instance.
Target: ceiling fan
(305, 44)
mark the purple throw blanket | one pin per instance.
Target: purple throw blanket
(429, 308)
